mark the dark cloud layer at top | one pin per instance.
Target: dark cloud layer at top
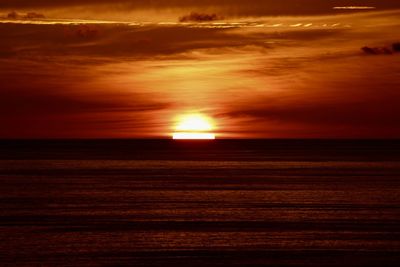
(255, 7)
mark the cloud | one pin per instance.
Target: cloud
(54, 99)
(200, 17)
(27, 16)
(396, 47)
(335, 97)
(382, 50)
(114, 40)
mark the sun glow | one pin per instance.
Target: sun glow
(194, 126)
(188, 136)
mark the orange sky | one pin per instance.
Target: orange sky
(298, 75)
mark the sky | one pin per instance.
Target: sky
(265, 69)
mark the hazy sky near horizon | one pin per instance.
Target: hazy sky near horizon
(280, 69)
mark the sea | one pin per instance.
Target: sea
(200, 203)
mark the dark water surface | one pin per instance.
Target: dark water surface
(217, 203)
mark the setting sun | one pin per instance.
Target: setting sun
(194, 126)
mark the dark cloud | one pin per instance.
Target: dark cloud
(396, 47)
(42, 103)
(41, 112)
(199, 17)
(377, 50)
(382, 50)
(325, 113)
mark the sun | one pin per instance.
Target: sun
(194, 126)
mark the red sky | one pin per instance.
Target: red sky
(266, 70)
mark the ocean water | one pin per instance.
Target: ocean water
(206, 203)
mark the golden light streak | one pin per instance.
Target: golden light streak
(355, 7)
